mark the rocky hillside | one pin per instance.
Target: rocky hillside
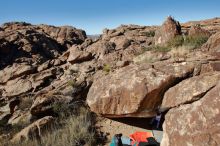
(130, 71)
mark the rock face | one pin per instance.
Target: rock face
(15, 71)
(65, 35)
(23, 42)
(169, 30)
(122, 73)
(195, 124)
(121, 44)
(77, 56)
(196, 30)
(213, 43)
(133, 91)
(36, 129)
(190, 90)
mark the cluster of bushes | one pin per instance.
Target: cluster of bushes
(150, 33)
(192, 41)
(189, 42)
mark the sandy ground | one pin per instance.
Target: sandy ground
(126, 126)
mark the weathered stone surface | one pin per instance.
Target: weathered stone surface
(20, 118)
(17, 87)
(211, 25)
(213, 43)
(77, 56)
(190, 90)
(35, 129)
(196, 124)
(7, 110)
(121, 42)
(65, 35)
(169, 30)
(133, 91)
(14, 71)
(28, 83)
(35, 44)
(43, 103)
(196, 30)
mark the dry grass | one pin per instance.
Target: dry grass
(180, 53)
(75, 130)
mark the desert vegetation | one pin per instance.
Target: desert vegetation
(71, 128)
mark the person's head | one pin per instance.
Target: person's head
(158, 113)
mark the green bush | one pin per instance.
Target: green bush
(176, 42)
(150, 33)
(106, 68)
(193, 41)
(71, 83)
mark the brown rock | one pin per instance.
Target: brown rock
(77, 56)
(7, 110)
(195, 124)
(14, 71)
(65, 35)
(213, 43)
(190, 90)
(16, 87)
(196, 30)
(121, 42)
(169, 30)
(35, 129)
(133, 91)
(20, 118)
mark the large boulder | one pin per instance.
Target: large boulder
(195, 124)
(190, 90)
(135, 90)
(213, 43)
(169, 30)
(77, 56)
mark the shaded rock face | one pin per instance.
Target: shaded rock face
(35, 129)
(133, 91)
(65, 35)
(190, 90)
(169, 30)
(43, 103)
(23, 42)
(195, 124)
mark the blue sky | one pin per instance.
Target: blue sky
(95, 15)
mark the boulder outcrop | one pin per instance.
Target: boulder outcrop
(169, 30)
(213, 43)
(195, 124)
(134, 91)
(190, 90)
